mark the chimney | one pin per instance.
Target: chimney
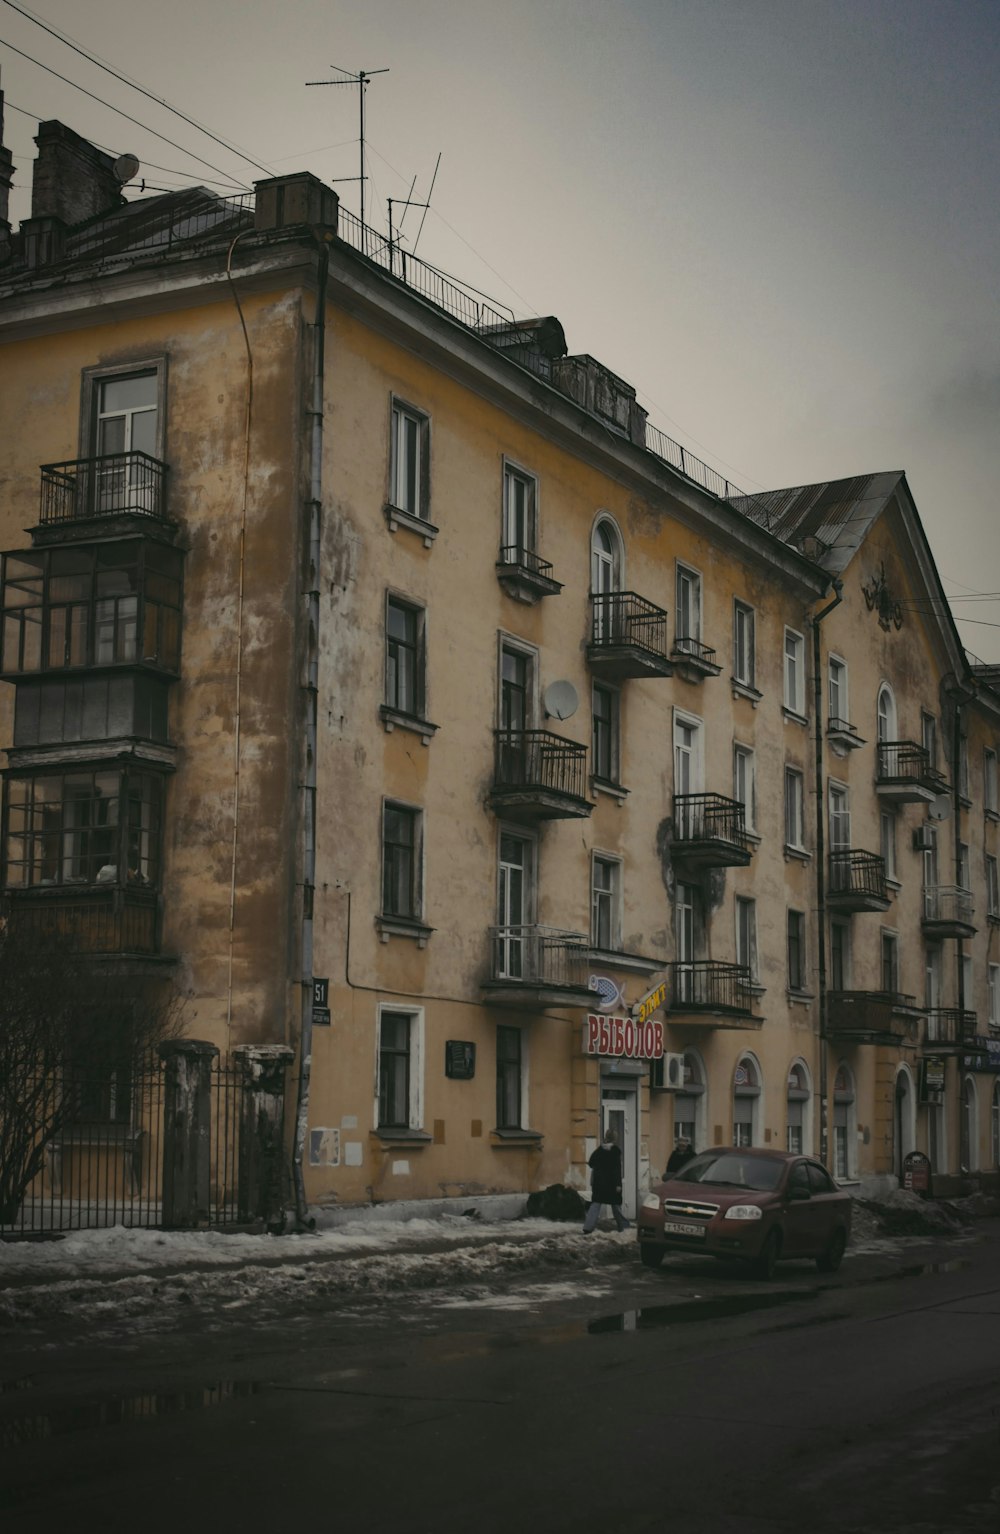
(73, 180)
(6, 177)
(284, 202)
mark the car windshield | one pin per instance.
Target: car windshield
(736, 1170)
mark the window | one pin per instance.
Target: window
(404, 658)
(73, 828)
(796, 950)
(991, 789)
(992, 888)
(519, 526)
(962, 866)
(106, 604)
(509, 1067)
(126, 414)
(605, 903)
(606, 735)
(928, 736)
(408, 479)
(745, 783)
(400, 1069)
(840, 956)
(516, 688)
(845, 1123)
(889, 963)
(837, 690)
(885, 720)
(993, 996)
(794, 809)
(401, 861)
(797, 1110)
(887, 842)
(605, 558)
(123, 414)
(840, 818)
(688, 609)
(746, 1102)
(744, 661)
(746, 935)
(83, 706)
(795, 678)
(515, 906)
(963, 766)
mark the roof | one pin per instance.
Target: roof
(826, 522)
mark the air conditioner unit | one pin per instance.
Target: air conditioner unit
(923, 839)
(673, 1072)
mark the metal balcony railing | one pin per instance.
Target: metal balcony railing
(686, 648)
(853, 872)
(525, 559)
(709, 985)
(949, 1025)
(949, 903)
(710, 818)
(541, 956)
(537, 759)
(885, 1014)
(903, 761)
(621, 619)
(103, 487)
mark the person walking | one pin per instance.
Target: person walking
(605, 1183)
(681, 1154)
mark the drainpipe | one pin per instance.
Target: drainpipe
(959, 695)
(824, 1125)
(310, 688)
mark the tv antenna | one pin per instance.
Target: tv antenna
(405, 203)
(361, 79)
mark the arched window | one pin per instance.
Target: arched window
(845, 1124)
(798, 1132)
(746, 1101)
(691, 1104)
(886, 714)
(903, 1120)
(605, 557)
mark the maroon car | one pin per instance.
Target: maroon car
(751, 1205)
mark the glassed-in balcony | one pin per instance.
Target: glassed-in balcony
(116, 484)
(905, 773)
(711, 993)
(535, 967)
(710, 832)
(628, 637)
(857, 881)
(948, 912)
(539, 776)
(111, 921)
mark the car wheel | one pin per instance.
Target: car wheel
(765, 1263)
(830, 1260)
(651, 1256)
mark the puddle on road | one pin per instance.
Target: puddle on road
(30, 1427)
(651, 1317)
(920, 1269)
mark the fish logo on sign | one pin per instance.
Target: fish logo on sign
(608, 992)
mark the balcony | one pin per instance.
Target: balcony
(693, 660)
(710, 832)
(539, 776)
(948, 912)
(857, 881)
(708, 993)
(905, 775)
(534, 967)
(949, 1031)
(118, 484)
(842, 734)
(871, 1017)
(628, 637)
(109, 921)
(524, 576)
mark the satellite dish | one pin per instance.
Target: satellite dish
(940, 808)
(560, 700)
(126, 166)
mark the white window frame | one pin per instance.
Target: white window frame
(684, 720)
(91, 381)
(744, 644)
(416, 1063)
(513, 477)
(887, 839)
(992, 887)
(745, 915)
(839, 810)
(888, 943)
(886, 718)
(403, 416)
(794, 808)
(685, 576)
(838, 698)
(609, 898)
(607, 566)
(745, 791)
(993, 996)
(795, 672)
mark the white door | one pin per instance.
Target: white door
(618, 1113)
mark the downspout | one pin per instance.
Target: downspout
(824, 1124)
(310, 689)
(959, 695)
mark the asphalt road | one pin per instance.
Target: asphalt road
(687, 1398)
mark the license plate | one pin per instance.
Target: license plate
(680, 1228)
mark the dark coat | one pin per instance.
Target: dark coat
(606, 1175)
(679, 1156)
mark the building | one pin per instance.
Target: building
(374, 668)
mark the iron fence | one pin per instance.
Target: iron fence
(950, 1025)
(108, 486)
(526, 559)
(709, 985)
(526, 759)
(710, 818)
(623, 619)
(853, 872)
(686, 648)
(905, 761)
(544, 956)
(949, 903)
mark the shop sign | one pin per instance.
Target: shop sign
(934, 1074)
(916, 1172)
(644, 1009)
(623, 1037)
(321, 1002)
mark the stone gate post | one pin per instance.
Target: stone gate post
(262, 1130)
(187, 1119)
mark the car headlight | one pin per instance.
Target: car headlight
(651, 1201)
(743, 1212)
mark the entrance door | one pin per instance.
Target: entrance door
(619, 1114)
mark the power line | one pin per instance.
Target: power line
(101, 102)
(69, 43)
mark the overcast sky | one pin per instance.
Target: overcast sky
(778, 219)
